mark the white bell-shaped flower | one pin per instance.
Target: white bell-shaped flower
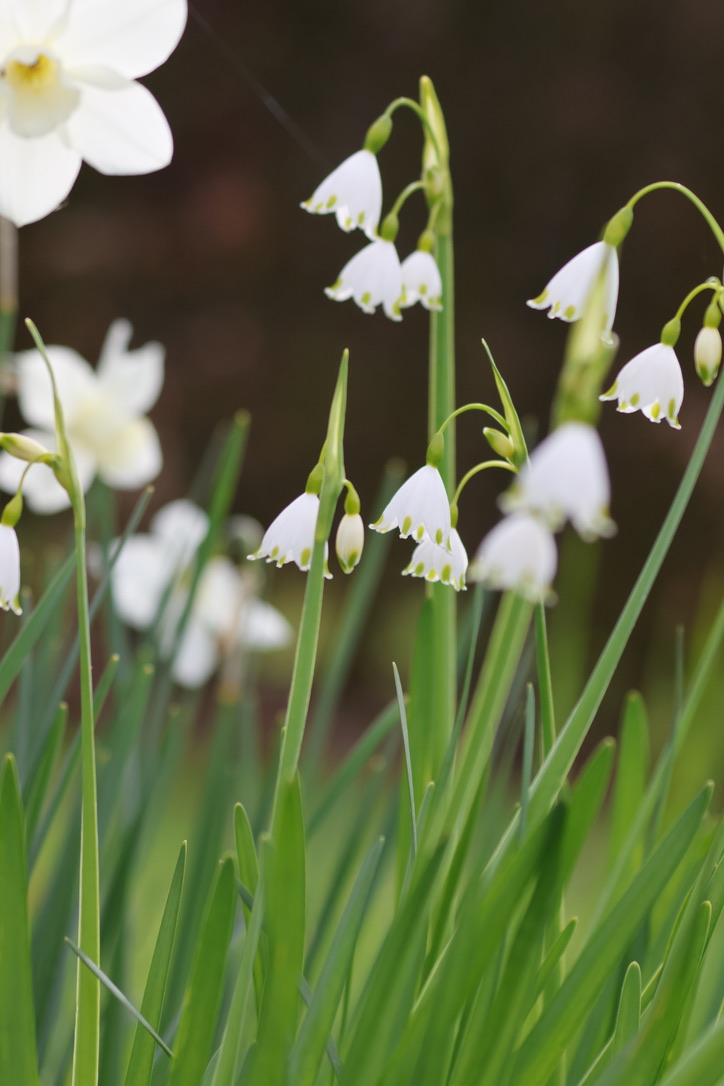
(290, 537)
(419, 508)
(9, 570)
(566, 478)
(373, 277)
(519, 553)
(566, 294)
(651, 383)
(436, 563)
(68, 94)
(353, 192)
(350, 541)
(707, 353)
(421, 281)
(104, 412)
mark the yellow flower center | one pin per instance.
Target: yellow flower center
(38, 96)
(35, 78)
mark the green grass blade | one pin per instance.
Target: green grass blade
(311, 1041)
(17, 1014)
(702, 1063)
(408, 759)
(192, 1046)
(630, 781)
(140, 1065)
(628, 1017)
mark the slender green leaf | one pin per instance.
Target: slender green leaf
(629, 1008)
(630, 781)
(702, 1063)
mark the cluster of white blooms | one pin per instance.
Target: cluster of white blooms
(151, 580)
(374, 276)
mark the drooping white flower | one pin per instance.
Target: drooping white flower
(154, 569)
(421, 281)
(349, 541)
(290, 537)
(436, 563)
(9, 570)
(707, 353)
(651, 383)
(566, 478)
(68, 94)
(104, 416)
(518, 553)
(419, 508)
(566, 294)
(373, 277)
(353, 192)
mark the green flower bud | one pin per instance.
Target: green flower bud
(349, 541)
(618, 227)
(500, 443)
(23, 448)
(707, 354)
(378, 134)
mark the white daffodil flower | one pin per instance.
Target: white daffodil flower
(9, 570)
(566, 478)
(373, 277)
(421, 281)
(104, 416)
(419, 508)
(566, 294)
(436, 563)
(651, 383)
(353, 192)
(226, 617)
(350, 541)
(68, 94)
(290, 537)
(519, 553)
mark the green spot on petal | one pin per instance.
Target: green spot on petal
(419, 531)
(366, 298)
(438, 536)
(274, 553)
(569, 312)
(361, 218)
(419, 569)
(656, 411)
(446, 573)
(305, 556)
(540, 299)
(635, 399)
(406, 525)
(331, 202)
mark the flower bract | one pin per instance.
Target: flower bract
(104, 416)
(353, 192)
(68, 93)
(651, 383)
(436, 563)
(566, 294)
(9, 570)
(421, 281)
(373, 277)
(420, 508)
(290, 538)
(518, 553)
(566, 478)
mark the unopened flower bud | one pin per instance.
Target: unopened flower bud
(707, 354)
(500, 443)
(350, 541)
(22, 447)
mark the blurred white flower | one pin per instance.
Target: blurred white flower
(225, 618)
(350, 541)
(421, 281)
(436, 563)
(651, 383)
(518, 553)
(68, 94)
(566, 294)
(9, 570)
(353, 192)
(290, 537)
(419, 508)
(566, 478)
(104, 417)
(373, 277)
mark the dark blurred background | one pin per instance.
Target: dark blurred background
(556, 113)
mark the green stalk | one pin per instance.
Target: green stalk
(8, 291)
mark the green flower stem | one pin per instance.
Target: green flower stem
(476, 471)
(545, 685)
(414, 186)
(8, 289)
(410, 103)
(710, 284)
(475, 407)
(698, 204)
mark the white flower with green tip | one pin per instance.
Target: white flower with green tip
(373, 277)
(350, 541)
(434, 562)
(353, 192)
(419, 508)
(421, 280)
(290, 537)
(651, 383)
(519, 553)
(104, 412)
(68, 94)
(566, 294)
(566, 478)
(9, 570)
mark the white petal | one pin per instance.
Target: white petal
(131, 379)
(437, 563)
(41, 490)
(74, 379)
(290, 537)
(197, 656)
(372, 277)
(139, 579)
(420, 507)
(569, 289)
(180, 528)
(131, 457)
(421, 281)
(9, 569)
(219, 596)
(652, 383)
(353, 192)
(36, 175)
(519, 553)
(121, 131)
(35, 20)
(262, 628)
(131, 36)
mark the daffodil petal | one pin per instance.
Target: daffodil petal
(120, 131)
(131, 457)
(36, 175)
(133, 36)
(197, 656)
(140, 577)
(131, 379)
(74, 379)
